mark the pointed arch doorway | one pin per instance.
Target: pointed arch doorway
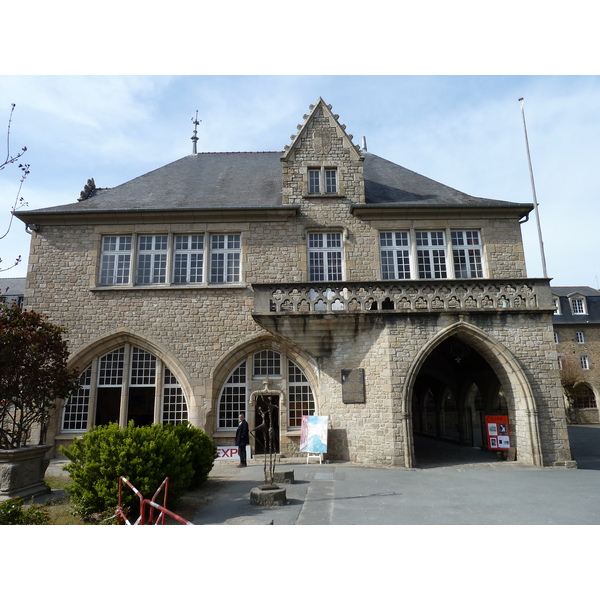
(459, 378)
(454, 390)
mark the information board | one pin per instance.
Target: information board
(498, 435)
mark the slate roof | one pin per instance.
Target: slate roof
(571, 290)
(15, 285)
(230, 180)
(566, 317)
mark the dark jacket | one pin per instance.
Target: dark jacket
(242, 438)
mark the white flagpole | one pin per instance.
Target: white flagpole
(535, 202)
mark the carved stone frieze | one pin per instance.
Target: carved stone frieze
(414, 296)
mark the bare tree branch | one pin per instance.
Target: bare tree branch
(18, 202)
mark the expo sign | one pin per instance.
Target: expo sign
(231, 452)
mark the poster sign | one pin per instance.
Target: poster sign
(231, 452)
(498, 435)
(313, 434)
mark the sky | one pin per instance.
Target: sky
(465, 131)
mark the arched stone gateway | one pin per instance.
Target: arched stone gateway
(457, 378)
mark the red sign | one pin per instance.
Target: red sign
(498, 435)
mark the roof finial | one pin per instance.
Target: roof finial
(195, 136)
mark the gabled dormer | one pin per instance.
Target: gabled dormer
(322, 162)
(578, 304)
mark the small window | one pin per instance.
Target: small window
(580, 337)
(578, 306)
(331, 186)
(584, 360)
(322, 180)
(555, 337)
(314, 181)
(556, 304)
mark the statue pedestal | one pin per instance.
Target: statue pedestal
(268, 496)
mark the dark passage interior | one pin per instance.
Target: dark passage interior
(455, 389)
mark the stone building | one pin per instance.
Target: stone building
(577, 336)
(322, 279)
(12, 290)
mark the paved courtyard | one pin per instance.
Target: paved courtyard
(451, 486)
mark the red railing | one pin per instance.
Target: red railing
(149, 504)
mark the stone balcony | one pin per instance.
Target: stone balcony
(315, 315)
(407, 296)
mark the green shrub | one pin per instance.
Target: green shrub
(13, 513)
(202, 448)
(144, 455)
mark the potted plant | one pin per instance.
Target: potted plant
(33, 377)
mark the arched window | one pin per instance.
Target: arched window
(127, 382)
(584, 397)
(235, 394)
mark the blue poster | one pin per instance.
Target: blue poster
(313, 434)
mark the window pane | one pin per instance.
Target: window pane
(467, 253)
(143, 368)
(115, 260)
(267, 363)
(314, 181)
(323, 264)
(225, 260)
(175, 409)
(188, 261)
(394, 254)
(301, 399)
(152, 259)
(431, 254)
(75, 415)
(233, 398)
(578, 306)
(111, 368)
(330, 181)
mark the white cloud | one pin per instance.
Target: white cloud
(465, 132)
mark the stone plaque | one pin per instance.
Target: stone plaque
(353, 386)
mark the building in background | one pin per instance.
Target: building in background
(577, 336)
(12, 289)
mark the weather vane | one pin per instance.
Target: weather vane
(195, 136)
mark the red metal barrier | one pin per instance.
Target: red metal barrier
(145, 502)
(160, 520)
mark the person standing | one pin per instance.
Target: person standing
(242, 438)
